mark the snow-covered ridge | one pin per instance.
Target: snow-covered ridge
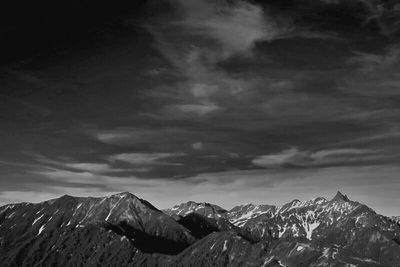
(315, 231)
(239, 215)
(297, 218)
(309, 219)
(203, 208)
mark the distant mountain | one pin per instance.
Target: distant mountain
(322, 232)
(124, 230)
(341, 230)
(205, 209)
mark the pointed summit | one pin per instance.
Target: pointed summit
(340, 197)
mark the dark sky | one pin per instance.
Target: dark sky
(224, 101)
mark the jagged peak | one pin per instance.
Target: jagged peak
(340, 197)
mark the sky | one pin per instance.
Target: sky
(229, 101)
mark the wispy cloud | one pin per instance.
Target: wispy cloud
(222, 100)
(294, 157)
(372, 62)
(205, 34)
(200, 109)
(126, 136)
(144, 159)
(288, 156)
(198, 146)
(68, 165)
(235, 25)
(90, 167)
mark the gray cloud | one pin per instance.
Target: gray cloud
(326, 157)
(207, 33)
(143, 159)
(219, 100)
(235, 25)
(376, 62)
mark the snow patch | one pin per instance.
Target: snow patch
(282, 230)
(11, 215)
(41, 229)
(325, 253)
(310, 228)
(212, 246)
(35, 221)
(77, 208)
(225, 246)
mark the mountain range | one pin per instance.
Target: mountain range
(124, 230)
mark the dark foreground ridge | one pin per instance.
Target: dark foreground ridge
(124, 230)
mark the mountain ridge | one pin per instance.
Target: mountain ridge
(124, 230)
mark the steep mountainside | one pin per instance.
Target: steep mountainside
(342, 230)
(318, 232)
(64, 230)
(123, 230)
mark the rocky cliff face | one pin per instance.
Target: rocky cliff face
(123, 230)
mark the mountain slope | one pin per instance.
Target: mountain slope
(29, 232)
(341, 229)
(317, 232)
(123, 230)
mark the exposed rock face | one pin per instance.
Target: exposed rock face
(123, 230)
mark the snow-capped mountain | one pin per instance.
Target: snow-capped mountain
(337, 228)
(332, 229)
(124, 230)
(206, 209)
(297, 218)
(58, 228)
